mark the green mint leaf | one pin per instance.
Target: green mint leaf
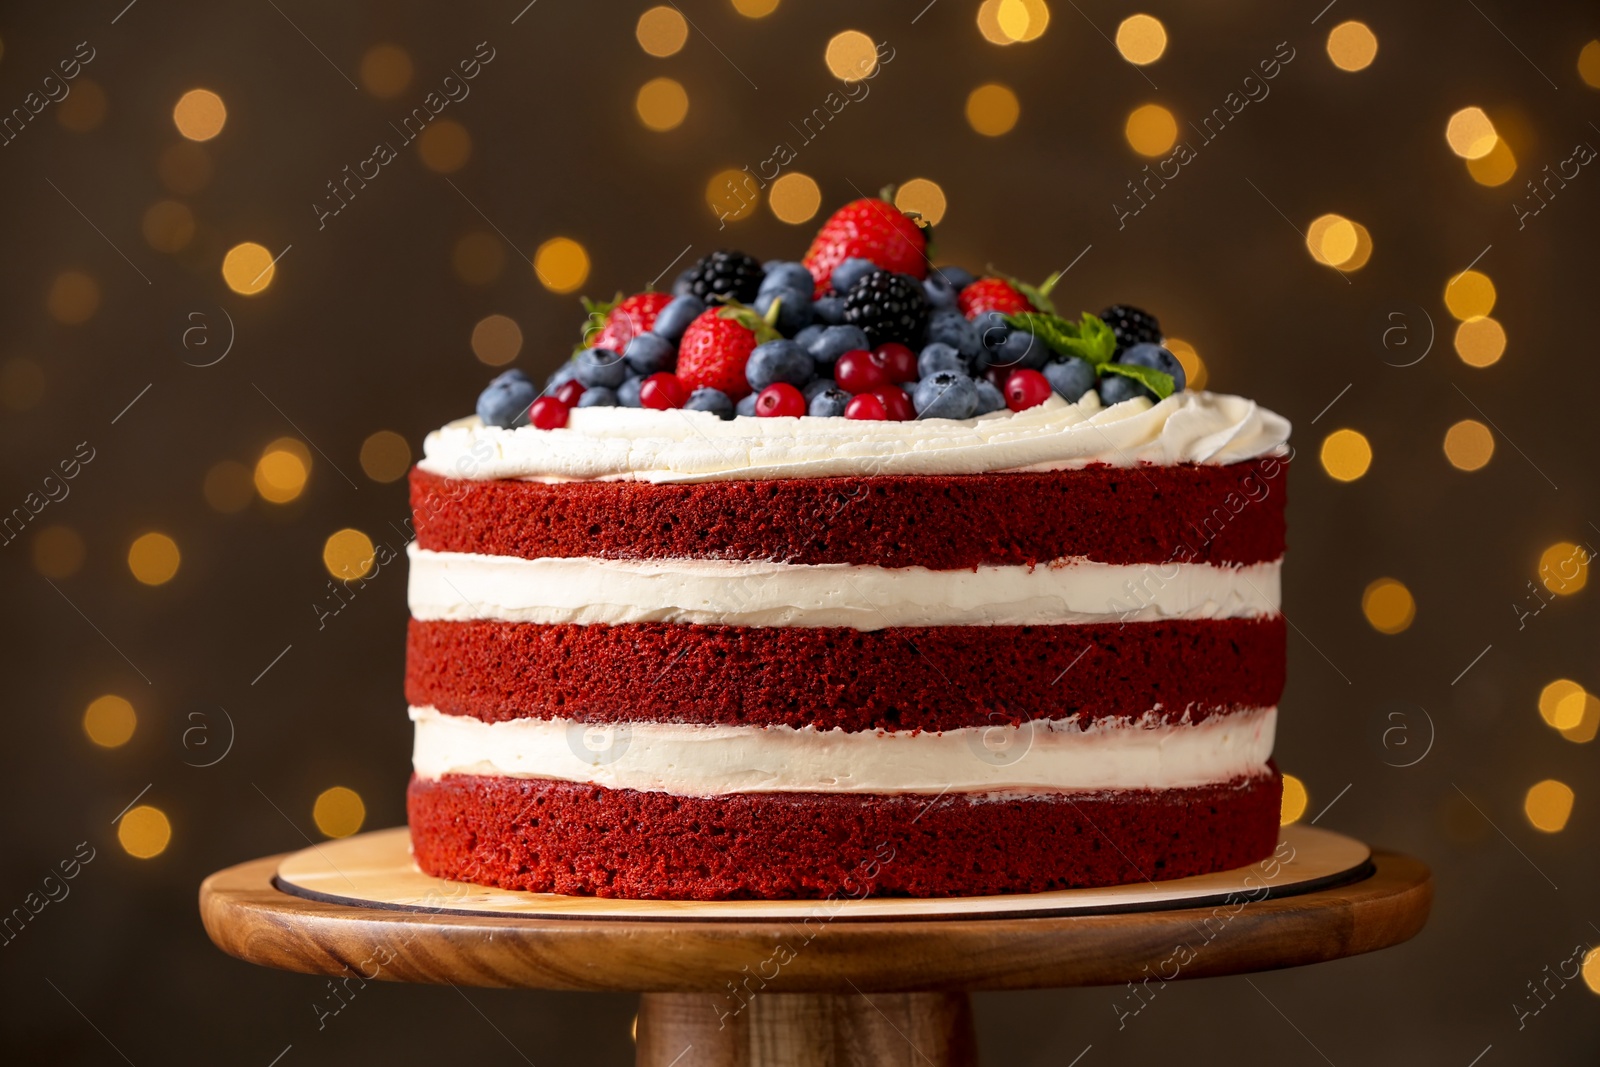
(1158, 382)
(1100, 342)
(1090, 340)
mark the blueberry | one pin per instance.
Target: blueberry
(992, 329)
(600, 366)
(505, 401)
(647, 353)
(958, 278)
(794, 311)
(953, 329)
(852, 270)
(706, 398)
(809, 334)
(835, 341)
(1020, 349)
(941, 294)
(1156, 358)
(946, 394)
(829, 402)
(676, 317)
(940, 356)
(680, 284)
(563, 374)
(817, 385)
(598, 396)
(1114, 389)
(747, 406)
(1070, 377)
(515, 374)
(782, 274)
(628, 393)
(779, 361)
(829, 310)
(989, 398)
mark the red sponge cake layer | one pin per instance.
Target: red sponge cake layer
(560, 837)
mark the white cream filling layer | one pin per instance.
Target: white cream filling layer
(587, 590)
(699, 760)
(696, 446)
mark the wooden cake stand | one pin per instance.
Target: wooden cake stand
(802, 983)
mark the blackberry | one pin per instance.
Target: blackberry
(733, 275)
(1131, 325)
(887, 307)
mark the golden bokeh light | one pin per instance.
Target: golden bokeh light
(1194, 368)
(199, 114)
(1480, 342)
(755, 9)
(144, 832)
(1151, 130)
(168, 226)
(73, 298)
(1141, 39)
(58, 551)
(1470, 133)
(338, 811)
(1589, 71)
(1014, 21)
(445, 146)
(496, 340)
(386, 70)
(248, 268)
(794, 198)
(661, 31)
(228, 487)
(1469, 295)
(732, 195)
(1564, 568)
(662, 104)
(385, 456)
(1468, 445)
(1548, 805)
(1496, 167)
(922, 197)
(348, 554)
(989, 23)
(1295, 799)
(1591, 961)
(85, 108)
(282, 471)
(851, 56)
(561, 264)
(184, 168)
(1561, 704)
(109, 721)
(1346, 455)
(1338, 242)
(993, 109)
(21, 383)
(478, 258)
(1352, 46)
(1588, 722)
(1388, 606)
(153, 558)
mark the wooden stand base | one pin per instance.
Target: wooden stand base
(807, 1030)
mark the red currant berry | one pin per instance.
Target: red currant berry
(857, 373)
(997, 377)
(569, 393)
(1026, 389)
(548, 413)
(780, 399)
(897, 406)
(661, 391)
(897, 361)
(865, 406)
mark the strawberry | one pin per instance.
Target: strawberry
(871, 229)
(992, 294)
(716, 347)
(624, 319)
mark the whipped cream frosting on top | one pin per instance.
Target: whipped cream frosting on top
(696, 446)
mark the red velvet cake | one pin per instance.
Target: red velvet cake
(890, 584)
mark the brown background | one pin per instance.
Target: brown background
(366, 327)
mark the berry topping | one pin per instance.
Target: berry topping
(725, 274)
(676, 317)
(648, 353)
(857, 372)
(1020, 349)
(779, 400)
(852, 270)
(600, 366)
(1131, 325)
(662, 391)
(888, 307)
(989, 397)
(625, 319)
(1153, 369)
(783, 274)
(869, 229)
(940, 356)
(716, 347)
(835, 341)
(896, 404)
(992, 294)
(830, 401)
(506, 399)
(598, 397)
(1114, 389)
(569, 392)
(794, 309)
(1071, 377)
(712, 400)
(866, 406)
(746, 407)
(548, 413)
(897, 361)
(946, 395)
(1026, 389)
(779, 361)
(829, 309)
(952, 328)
